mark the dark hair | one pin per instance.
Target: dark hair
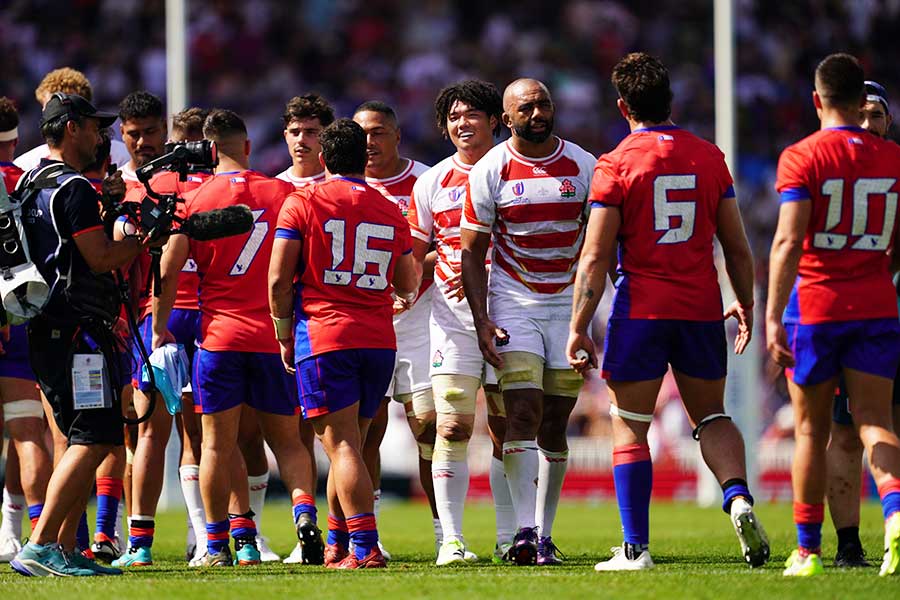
(379, 107)
(479, 95)
(642, 81)
(190, 121)
(344, 147)
(308, 106)
(139, 105)
(840, 80)
(9, 116)
(222, 123)
(102, 152)
(54, 132)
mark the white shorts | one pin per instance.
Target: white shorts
(413, 348)
(540, 330)
(454, 351)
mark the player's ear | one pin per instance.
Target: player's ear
(817, 100)
(322, 160)
(247, 145)
(507, 122)
(623, 108)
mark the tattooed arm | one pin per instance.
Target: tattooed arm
(590, 281)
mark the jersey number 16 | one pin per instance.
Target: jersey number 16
(362, 255)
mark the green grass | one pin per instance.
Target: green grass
(695, 550)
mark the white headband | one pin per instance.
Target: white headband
(6, 136)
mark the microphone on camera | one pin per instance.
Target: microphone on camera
(218, 223)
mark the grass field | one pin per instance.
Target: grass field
(695, 550)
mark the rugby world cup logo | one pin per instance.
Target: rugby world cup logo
(519, 188)
(456, 194)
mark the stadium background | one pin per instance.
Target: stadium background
(253, 55)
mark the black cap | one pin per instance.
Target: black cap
(73, 106)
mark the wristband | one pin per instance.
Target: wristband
(284, 327)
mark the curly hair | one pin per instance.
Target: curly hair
(344, 147)
(190, 121)
(9, 116)
(140, 105)
(479, 95)
(66, 80)
(642, 81)
(308, 106)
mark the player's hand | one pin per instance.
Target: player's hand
(401, 305)
(4, 338)
(454, 289)
(488, 332)
(581, 352)
(744, 316)
(776, 343)
(287, 355)
(160, 340)
(113, 185)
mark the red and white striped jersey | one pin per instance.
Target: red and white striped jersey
(398, 190)
(536, 210)
(300, 182)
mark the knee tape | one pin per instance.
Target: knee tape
(706, 421)
(495, 406)
(562, 382)
(23, 409)
(426, 451)
(615, 411)
(521, 371)
(455, 394)
(448, 451)
(422, 402)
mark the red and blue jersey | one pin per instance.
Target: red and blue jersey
(667, 184)
(234, 271)
(850, 178)
(10, 174)
(351, 236)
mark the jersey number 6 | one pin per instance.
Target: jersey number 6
(664, 209)
(362, 255)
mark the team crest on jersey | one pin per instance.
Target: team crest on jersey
(519, 188)
(403, 205)
(438, 359)
(567, 190)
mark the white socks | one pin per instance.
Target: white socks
(13, 510)
(451, 484)
(438, 531)
(503, 504)
(376, 506)
(520, 461)
(551, 473)
(190, 488)
(258, 485)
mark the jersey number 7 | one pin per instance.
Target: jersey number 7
(362, 255)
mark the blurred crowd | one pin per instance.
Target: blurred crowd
(253, 55)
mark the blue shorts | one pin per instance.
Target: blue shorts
(14, 360)
(334, 380)
(643, 349)
(223, 380)
(823, 349)
(184, 325)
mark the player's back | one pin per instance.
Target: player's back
(234, 270)
(850, 178)
(351, 236)
(668, 184)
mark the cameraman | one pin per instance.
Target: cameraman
(70, 249)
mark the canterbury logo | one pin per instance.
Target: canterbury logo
(539, 170)
(514, 450)
(258, 487)
(443, 475)
(191, 478)
(555, 460)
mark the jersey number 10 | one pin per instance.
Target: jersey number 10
(862, 189)
(362, 255)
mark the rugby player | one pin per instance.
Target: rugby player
(336, 333)
(529, 196)
(468, 113)
(832, 307)
(661, 196)
(234, 364)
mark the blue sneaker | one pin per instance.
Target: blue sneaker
(46, 560)
(135, 557)
(246, 553)
(83, 562)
